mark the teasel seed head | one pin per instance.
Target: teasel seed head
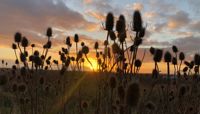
(49, 32)
(197, 59)
(138, 63)
(158, 55)
(181, 56)
(68, 42)
(109, 21)
(115, 48)
(137, 21)
(175, 49)
(85, 49)
(24, 42)
(96, 45)
(18, 37)
(174, 61)
(152, 50)
(32, 45)
(76, 38)
(14, 46)
(167, 57)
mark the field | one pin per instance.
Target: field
(79, 92)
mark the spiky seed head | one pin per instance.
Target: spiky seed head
(152, 50)
(49, 32)
(137, 21)
(175, 49)
(42, 57)
(97, 55)
(36, 53)
(174, 61)
(76, 38)
(32, 45)
(82, 44)
(46, 68)
(24, 42)
(14, 46)
(55, 62)
(167, 57)
(196, 69)
(18, 37)
(31, 58)
(187, 63)
(181, 56)
(85, 49)
(96, 45)
(68, 42)
(121, 24)
(115, 48)
(197, 59)
(191, 64)
(138, 63)
(158, 55)
(37, 61)
(185, 69)
(22, 57)
(133, 95)
(109, 21)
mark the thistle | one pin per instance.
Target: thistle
(85, 51)
(181, 58)
(168, 58)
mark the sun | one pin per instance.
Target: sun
(94, 64)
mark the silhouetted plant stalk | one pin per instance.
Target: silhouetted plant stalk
(137, 26)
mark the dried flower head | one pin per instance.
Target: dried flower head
(175, 49)
(138, 63)
(137, 21)
(109, 21)
(96, 45)
(76, 38)
(112, 35)
(181, 56)
(167, 57)
(158, 55)
(85, 49)
(18, 37)
(14, 46)
(24, 42)
(49, 32)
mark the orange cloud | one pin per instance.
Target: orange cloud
(137, 6)
(96, 15)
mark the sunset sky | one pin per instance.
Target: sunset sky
(169, 22)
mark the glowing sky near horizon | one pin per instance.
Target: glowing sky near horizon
(170, 22)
